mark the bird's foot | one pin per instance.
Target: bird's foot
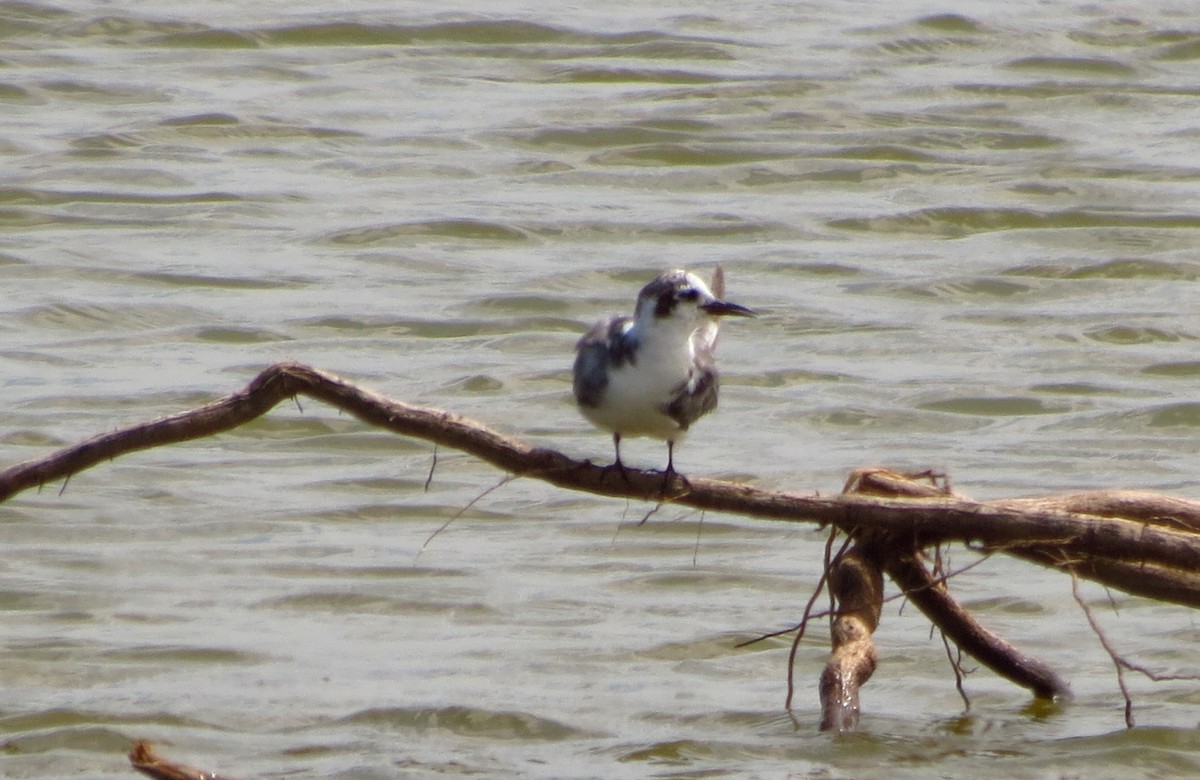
(670, 476)
(618, 467)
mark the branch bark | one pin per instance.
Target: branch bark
(918, 522)
(856, 583)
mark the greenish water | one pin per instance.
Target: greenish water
(973, 235)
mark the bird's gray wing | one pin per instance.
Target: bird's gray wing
(697, 396)
(606, 346)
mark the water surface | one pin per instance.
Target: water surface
(972, 232)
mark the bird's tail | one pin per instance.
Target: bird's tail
(706, 337)
(718, 282)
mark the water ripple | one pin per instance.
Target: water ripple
(1072, 66)
(966, 221)
(465, 721)
(1119, 268)
(984, 406)
(614, 75)
(470, 229)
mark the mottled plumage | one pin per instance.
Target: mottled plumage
(606, 346)
(698, 395)
(655, 373)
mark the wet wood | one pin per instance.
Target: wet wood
(932, 596)
(856, 583)
(144, 759)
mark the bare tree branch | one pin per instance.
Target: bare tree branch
(933, 599)
(920, 522)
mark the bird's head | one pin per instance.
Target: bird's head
(682, 297)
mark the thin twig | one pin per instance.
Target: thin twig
(954, 656)
(652, 511)
(503, 481)
(432, 465)
(785, 631)
(1113, 655)
(1119, 661)
(827, 562)
(822, 583)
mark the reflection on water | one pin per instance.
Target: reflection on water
(973, 237)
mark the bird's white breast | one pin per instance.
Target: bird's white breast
(638, 392)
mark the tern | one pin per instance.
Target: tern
(655, 373)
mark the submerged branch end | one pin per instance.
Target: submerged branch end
(144, 759)
(856, 584)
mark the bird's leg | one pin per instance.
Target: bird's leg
(616, 464)
(671, 472)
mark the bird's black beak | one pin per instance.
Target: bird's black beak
(726, 308)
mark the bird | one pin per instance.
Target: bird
(654, 373)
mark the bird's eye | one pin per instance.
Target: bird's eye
(690, 294)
